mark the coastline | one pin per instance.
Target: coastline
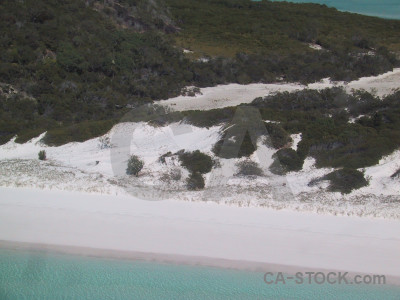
(196, 261)
(204, 234)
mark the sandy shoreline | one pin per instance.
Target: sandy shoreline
(176, 259)
(207, 234)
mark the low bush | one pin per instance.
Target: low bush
(228, 146)
(278, 137)
(77, 133)
(286, 160)
(208, 118)
(248, 168)
(195, 182)
(135, 165)
(42, 155)
(196, 161)
(345, 180)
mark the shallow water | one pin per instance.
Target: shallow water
(381, 8)
(40, 275)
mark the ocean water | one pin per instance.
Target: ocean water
(39, 275)
(389, 9)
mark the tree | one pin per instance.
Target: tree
(345, 180)
(42, 155)
(196, 161)
(135, 165)
(195, 182)
(286, 160)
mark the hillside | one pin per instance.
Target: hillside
(74, 68)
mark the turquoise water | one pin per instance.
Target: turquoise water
(381, 8)
(36, 275)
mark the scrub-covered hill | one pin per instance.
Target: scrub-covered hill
(74, 67)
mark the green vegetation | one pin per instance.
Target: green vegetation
(345, 180)
(278, 137)
(327, 135)
(286, 160)
(77, 133)
(258, 41)
(42, 155)
(135, 165)
(196, 162)
(69, 66)
(195, 182)
(242, 26)
(70, 63)
(234, 144)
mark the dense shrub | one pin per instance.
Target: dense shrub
(278, 137)
(42, 155)
(208, 118)
(77, 133)
(195, 182)
(286, 160)
(233, 146)
(345, 180)
(196, 162)
(248, 168)
(135, 165)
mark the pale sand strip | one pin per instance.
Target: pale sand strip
(175, 259)
(234, 94)
(198, 233)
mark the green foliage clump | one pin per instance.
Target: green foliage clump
(233, 145)
(208, 118)
(196, 162)
(77, 133)
(286, 160)
(345, 180)
(248, 168)
(135, 165)
(247, 147)
(42, 155)
(278, 137)
(195, 182)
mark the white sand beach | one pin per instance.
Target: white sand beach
(235, 94)
(197, 233)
